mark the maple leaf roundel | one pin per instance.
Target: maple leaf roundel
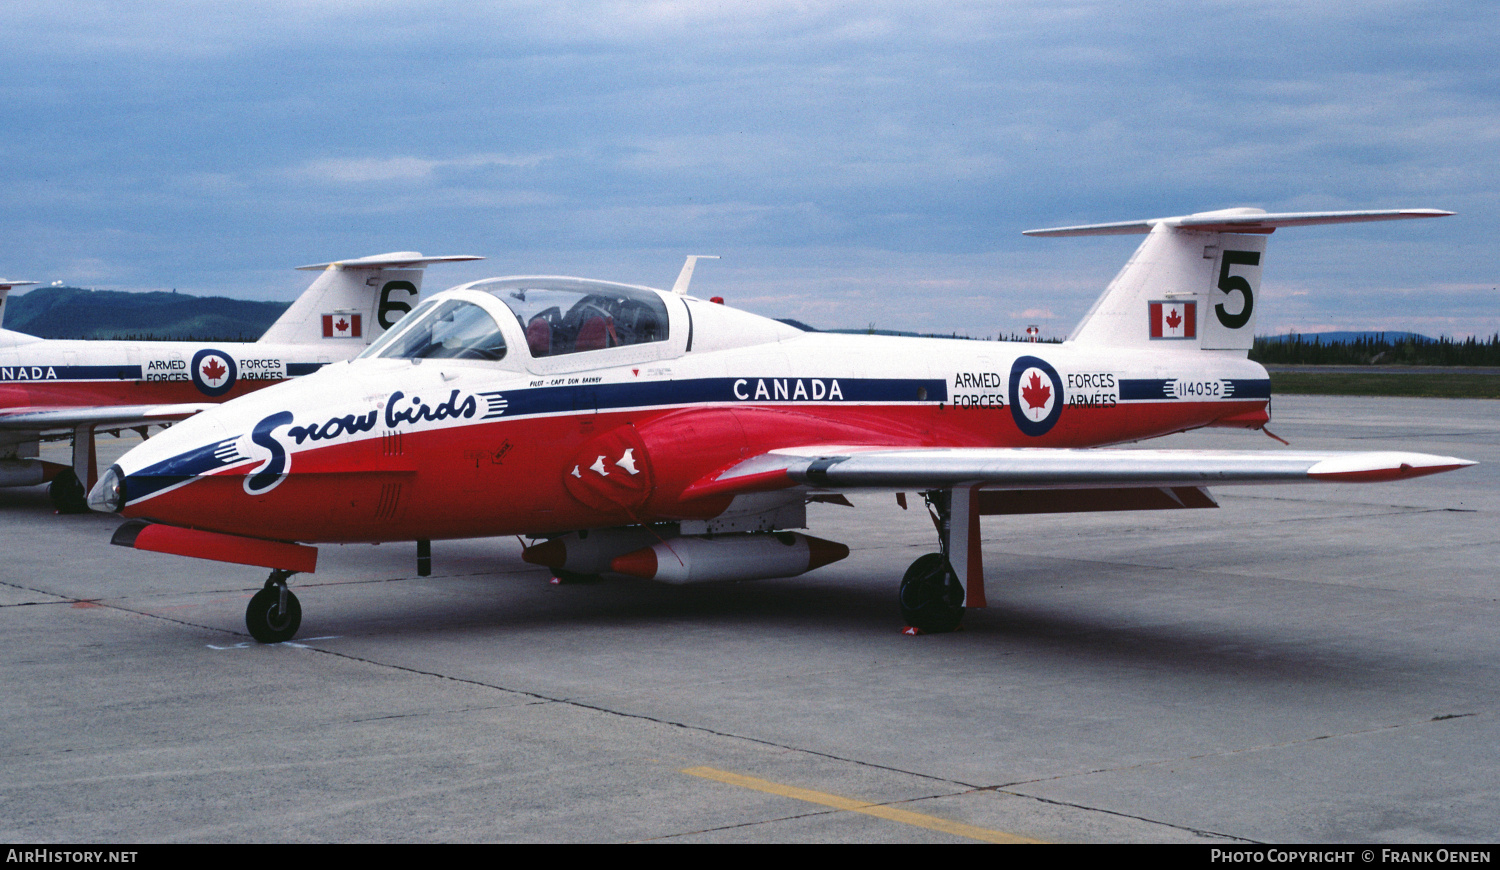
(213, 372)
(1036, 395)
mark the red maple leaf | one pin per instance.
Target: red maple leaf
(213, 371)
(1034, 393)
(1174, 319)
(341, 325)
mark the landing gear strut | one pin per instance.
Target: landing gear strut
(70, 488)
(274, 614)
(931, 598)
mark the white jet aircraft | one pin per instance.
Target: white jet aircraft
(657, 435)
(52, 389)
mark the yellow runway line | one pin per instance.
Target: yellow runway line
(906, 817)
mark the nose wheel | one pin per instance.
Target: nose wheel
(274, 614)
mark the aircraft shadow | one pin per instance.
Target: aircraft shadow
(867, 614)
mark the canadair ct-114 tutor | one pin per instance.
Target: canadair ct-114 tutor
(60, 389)
(657, 435)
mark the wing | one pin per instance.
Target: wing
(123, 416)
(1032, 468)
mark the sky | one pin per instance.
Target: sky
(853, 163)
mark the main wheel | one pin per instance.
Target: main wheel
(931, 597)
(267, 622)
(67, 493)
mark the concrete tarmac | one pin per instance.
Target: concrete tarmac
(1315, 663)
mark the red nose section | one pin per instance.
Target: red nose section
(641, 563)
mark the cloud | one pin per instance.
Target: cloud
(374, 170)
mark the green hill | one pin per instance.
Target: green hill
(73, 312)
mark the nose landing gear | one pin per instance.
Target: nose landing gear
(274, 614)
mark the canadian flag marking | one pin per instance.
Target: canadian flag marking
(1174, 320)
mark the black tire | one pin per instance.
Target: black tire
(265, 621)
(67, 493)
(931, 597)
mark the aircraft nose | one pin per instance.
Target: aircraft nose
(108, 495)
(168, 460)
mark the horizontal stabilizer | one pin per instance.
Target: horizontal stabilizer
(353, 302)
(1241, 220)
(393, 260)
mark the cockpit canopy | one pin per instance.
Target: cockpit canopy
(557, 316)
(568, 317)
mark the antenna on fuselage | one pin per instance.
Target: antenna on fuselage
(685, 277)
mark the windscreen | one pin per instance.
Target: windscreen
(443, 329)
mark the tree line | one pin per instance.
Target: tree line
(1377, 349)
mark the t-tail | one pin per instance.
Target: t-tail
(5, 287)
(354, 301)
(1193, 283)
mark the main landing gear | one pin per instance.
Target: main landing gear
(931, 597)
(67, 493)
(274, 614)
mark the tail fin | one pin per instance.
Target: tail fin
(354, 301)
(1192, 283)
(5, 285)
